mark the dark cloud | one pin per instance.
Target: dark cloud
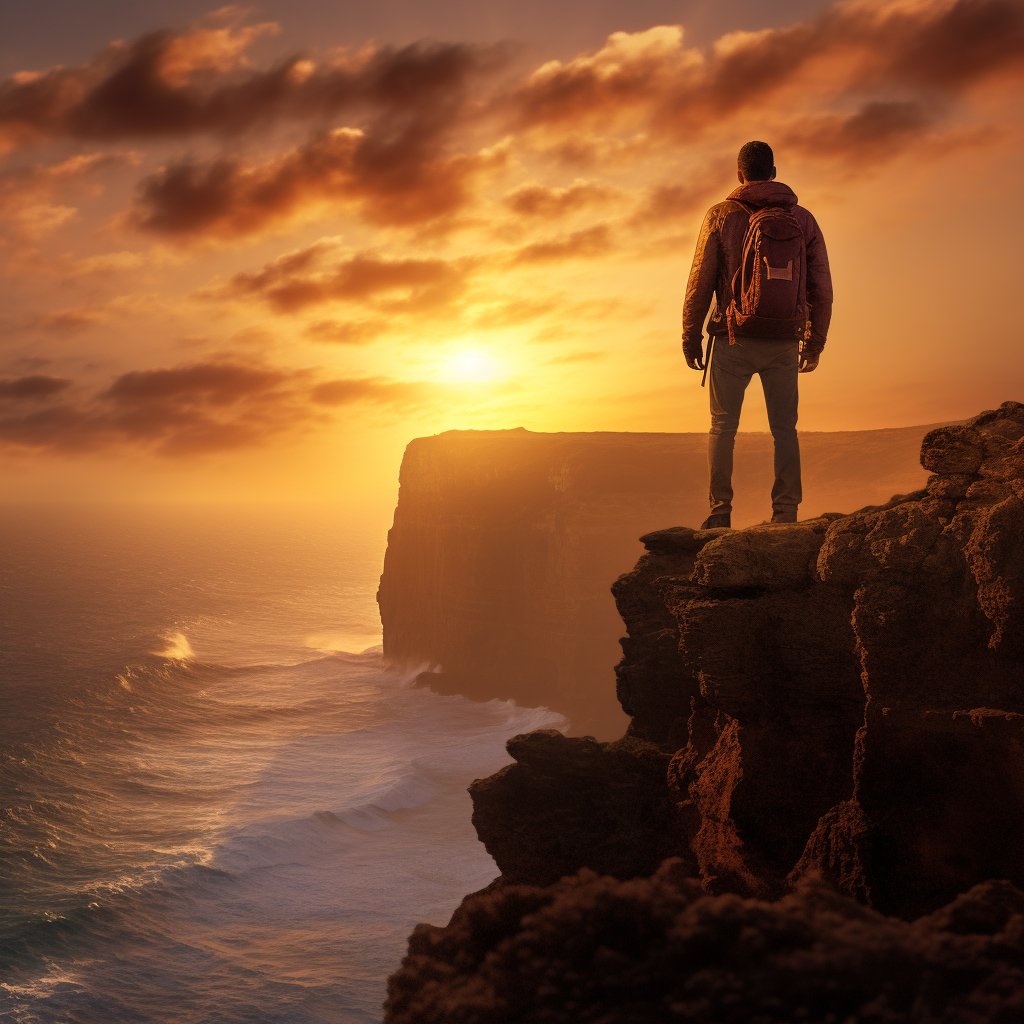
(394, 164)
(586, 243)
(964, 42)
(69, 321)
(663, 204)
(186, 410)
(878, 129)
(372, 389)
(32, 387)
(678, 93)
(175, 83)
(346, 332)
(202, 383)
(416, 182)
(395, 285)
(535, 200)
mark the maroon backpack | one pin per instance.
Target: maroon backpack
(769, 288)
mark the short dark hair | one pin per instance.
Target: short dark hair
(756, 161)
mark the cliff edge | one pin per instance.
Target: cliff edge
(497, 565)
(826, 743)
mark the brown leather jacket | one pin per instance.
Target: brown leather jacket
(720, 248)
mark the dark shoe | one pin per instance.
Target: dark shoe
(784, 517)
(717, 521)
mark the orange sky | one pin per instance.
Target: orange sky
(245, 257)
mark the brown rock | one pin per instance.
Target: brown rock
(770, 557)
(571, 802)
(939, 798)
(952, 450)
(837, 701)
(951, 485)
(915, 607)
(995, 556)
(595, 950)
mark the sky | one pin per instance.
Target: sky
(248, 252)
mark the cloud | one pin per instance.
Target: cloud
(205, 384)
(372, 389)
(400, 135)
(177, 83)
(28, 205)
(878, 129)
(504, 312)
(30, 388)
(665, 203)
(69, 321)
(407, 180)
(951, 46)
(346, 332)
(587, 243)
(193, 409)
(654, 83)
(388, 284)
(628, 70)
(534, 200)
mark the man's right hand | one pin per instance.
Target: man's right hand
(808, 363)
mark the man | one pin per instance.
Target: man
(776, 361)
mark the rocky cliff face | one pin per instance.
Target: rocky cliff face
(838, 706)
(595, 950)
(497, 566)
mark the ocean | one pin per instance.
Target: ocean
(216, 802)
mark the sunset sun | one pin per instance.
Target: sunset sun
(471, 366)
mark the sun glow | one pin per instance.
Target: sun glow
(470, 366)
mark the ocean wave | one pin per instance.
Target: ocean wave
(177, 815)
(176, 647)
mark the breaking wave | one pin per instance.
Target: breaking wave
(258, 838)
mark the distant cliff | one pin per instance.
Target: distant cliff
(826, 741)
(503, 543)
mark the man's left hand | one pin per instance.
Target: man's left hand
(808, 362)
(694, 360)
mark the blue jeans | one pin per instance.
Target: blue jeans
(732, 366)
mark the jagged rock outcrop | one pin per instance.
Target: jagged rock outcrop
(504, 542)
(570, 802)
(840, 707)
(852, 686)
(595, 950)
(842, 696)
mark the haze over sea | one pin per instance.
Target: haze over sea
(217, 804)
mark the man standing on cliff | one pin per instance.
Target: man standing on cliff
(742, 345)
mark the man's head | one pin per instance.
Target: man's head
(756, 162)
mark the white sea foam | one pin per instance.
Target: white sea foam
(176, 647)
(290, 820)
(230, 826)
